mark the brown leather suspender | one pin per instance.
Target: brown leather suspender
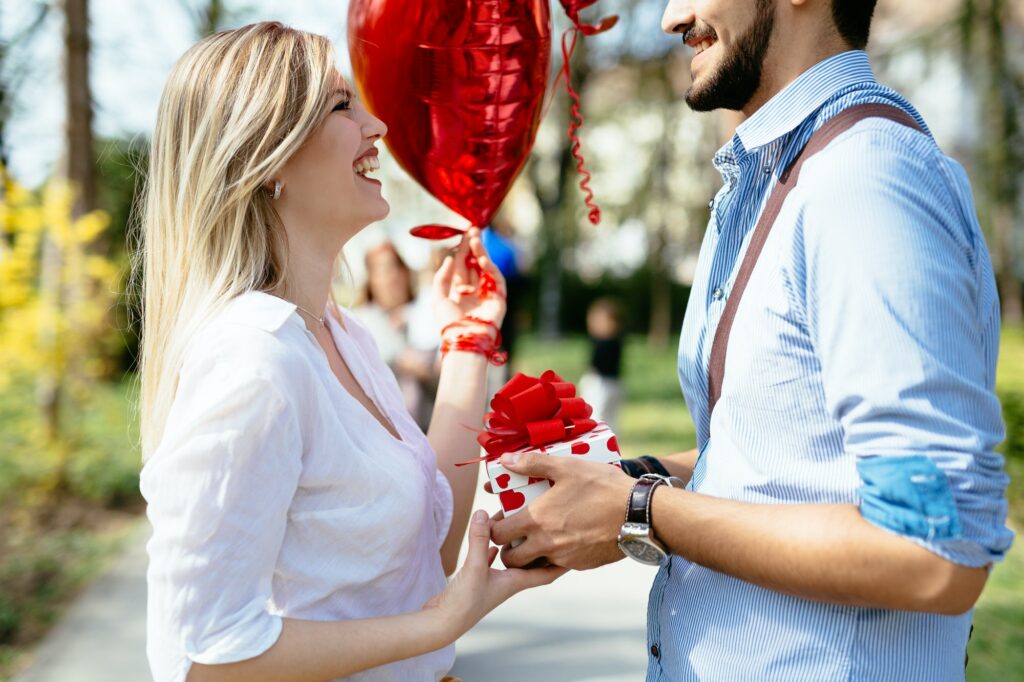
(787, 181)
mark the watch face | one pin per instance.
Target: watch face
(644, 552)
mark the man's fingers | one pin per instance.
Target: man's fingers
(532, 464)
(521, 556)
(492, 554)
(505, 530)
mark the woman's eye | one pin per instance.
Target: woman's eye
(343, 105)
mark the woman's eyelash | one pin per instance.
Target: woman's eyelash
(343, 105)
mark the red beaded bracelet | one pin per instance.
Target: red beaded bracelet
(477, 342)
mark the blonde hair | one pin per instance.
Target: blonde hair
(236, 106)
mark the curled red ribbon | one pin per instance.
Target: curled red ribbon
(533, 411)
(573, 8)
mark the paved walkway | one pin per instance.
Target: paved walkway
(586, 627)
(102, 638)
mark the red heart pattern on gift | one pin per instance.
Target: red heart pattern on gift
(580, 448)
(503, 480)
(613, 444)
(512, 500)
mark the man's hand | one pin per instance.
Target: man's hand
(576, 523)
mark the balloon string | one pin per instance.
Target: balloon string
(575, 121)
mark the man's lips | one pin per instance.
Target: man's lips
(700, 39)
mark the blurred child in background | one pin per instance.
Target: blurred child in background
(601, 385)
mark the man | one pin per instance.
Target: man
(846, 504)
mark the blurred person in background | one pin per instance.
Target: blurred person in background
(601, 384)
(402, 324)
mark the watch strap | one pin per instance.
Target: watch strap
(639, 507)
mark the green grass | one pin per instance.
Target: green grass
(1010, 374)
(655, 420)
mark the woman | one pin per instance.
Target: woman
(402, 325)
(302, 525)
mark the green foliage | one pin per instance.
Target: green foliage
(633, 292)
(99, 445)
(1010, 385)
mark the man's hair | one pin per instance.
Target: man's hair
(853, 20)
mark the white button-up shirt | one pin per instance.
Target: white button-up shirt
(274, 493)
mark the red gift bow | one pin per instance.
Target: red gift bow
(533, 411)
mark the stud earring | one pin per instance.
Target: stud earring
(277, 189)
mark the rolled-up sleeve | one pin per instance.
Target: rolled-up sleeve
(218, 490)
(902, 311)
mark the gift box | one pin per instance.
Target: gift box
(539, 414)
(515, 491)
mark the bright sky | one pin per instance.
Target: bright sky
(135, 43)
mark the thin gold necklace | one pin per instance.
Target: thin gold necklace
(322, 319)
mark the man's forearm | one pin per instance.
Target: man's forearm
(680, 464)
(825, 552)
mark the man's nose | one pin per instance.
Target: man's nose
(678, 16)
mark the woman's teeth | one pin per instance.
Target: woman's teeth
(365, 165)
(705, 44)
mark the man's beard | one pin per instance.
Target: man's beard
(734, 83)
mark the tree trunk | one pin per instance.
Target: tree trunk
(984, 44)
(79, 158)
(78, 167)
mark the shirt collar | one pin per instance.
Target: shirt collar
(259, 309)
(805, 95)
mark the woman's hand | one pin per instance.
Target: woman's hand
(457, 290)
(477, 589)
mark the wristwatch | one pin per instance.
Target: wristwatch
(636, 537)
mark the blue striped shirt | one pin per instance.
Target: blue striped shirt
(861, 370)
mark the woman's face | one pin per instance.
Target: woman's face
(387, 278)
(326, 184)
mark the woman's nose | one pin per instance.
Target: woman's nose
(678, 16)
(375, 128)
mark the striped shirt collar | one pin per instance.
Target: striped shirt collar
(805, 95)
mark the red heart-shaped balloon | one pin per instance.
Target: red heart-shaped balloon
(512, 500)
(460, 85)
(502, 480)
